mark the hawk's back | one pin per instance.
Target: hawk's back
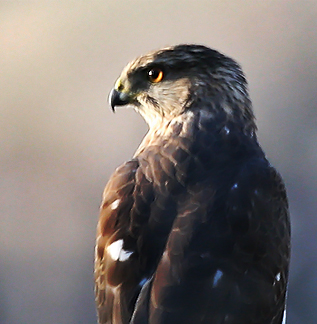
(194, 229)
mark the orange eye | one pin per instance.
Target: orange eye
(155, 75)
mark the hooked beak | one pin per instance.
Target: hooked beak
(118, 98)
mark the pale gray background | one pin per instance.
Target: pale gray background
(60, 141)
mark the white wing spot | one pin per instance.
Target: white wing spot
(117, 253)
(278, 277)
(114, 249)
(235, 186)
(284, 317)
(218, 275)
(226, 129)
(115, 204)
(124, 255)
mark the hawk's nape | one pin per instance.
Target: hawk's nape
(195, 227)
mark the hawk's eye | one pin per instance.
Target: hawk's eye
(155, 75)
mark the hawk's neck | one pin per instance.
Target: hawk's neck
(201, 130)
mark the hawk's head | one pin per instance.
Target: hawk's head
(163, 84)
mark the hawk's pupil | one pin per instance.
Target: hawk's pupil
(155, 75)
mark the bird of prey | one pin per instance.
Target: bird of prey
(194, 229)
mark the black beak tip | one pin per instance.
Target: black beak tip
(118, 98)
(113, 99)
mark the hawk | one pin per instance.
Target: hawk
(195, 227)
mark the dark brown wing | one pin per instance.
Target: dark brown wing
(112, 225)
(227, 256)
(194, 230)
(138, 210)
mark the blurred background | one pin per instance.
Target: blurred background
(59, 141)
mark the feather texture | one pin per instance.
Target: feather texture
(195, 228)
